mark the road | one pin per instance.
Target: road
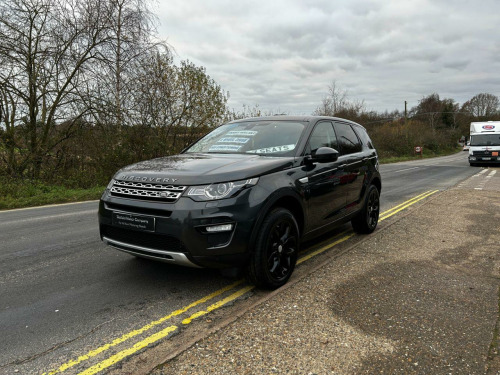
(63, 293)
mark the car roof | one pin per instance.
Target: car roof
(293, 118)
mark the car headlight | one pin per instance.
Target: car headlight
(219, 191)
(106, 191)
(110, 185)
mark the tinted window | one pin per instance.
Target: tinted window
(323, 135)
(363, 135)
(349, 142)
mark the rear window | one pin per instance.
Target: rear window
(363, 135)
(348, 140)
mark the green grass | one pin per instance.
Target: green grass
(426, 154)
(25, 193)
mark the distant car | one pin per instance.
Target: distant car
(466, 146)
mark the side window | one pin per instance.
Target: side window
(363, 135)
(323, 135)
(348, 140)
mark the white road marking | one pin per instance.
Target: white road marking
(48, 205)
(48, 217)
(407, 169)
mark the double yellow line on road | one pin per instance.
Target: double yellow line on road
(143, 329)
(387, 214)
(339, 238)
(162, 334)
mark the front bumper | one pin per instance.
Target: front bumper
(150, 253)
(180, 234)
(484, 159)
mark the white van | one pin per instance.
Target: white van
(484, 143)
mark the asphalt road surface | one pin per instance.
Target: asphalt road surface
(63, 293)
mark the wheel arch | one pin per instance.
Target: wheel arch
(378, 184)
(287, 199)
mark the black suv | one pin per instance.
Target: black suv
(246, 195)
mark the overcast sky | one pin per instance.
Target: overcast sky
(283, 54)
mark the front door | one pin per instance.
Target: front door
(325, 189)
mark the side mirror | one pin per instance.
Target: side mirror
(323, 155)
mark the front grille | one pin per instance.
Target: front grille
(137, 210)
(143, 239)
(481, 153)
(146, 191)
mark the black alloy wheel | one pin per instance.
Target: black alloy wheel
(275, 255)
(281, 249)
(366, 221)
(373, 209)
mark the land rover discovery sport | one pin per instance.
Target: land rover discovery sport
(246, 195)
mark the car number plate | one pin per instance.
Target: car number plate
(486, 158)
(132, 221)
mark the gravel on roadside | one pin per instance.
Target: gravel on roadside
(418, 297)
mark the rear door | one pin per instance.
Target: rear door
(353, 163)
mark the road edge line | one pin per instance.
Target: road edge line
(47, 206)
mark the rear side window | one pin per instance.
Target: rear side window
(363, 135)
(347, 138)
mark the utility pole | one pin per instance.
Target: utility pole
(406, 120)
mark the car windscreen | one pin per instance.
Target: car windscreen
(485, 140)
(274, 138)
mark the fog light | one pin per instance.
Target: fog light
(219, 228)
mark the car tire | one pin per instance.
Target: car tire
(366, 220)
(275, 251)
(473, 164)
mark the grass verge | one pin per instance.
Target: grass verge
(426, 155)
(26, 193)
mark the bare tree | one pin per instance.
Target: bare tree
(333, 102)
(131, 31)
(337, 103)
(482, 105)
(45, 47)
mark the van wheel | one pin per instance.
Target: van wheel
(367, 219)
(275, 253)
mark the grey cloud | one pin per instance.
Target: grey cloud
(457, 65)
(284, 54)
